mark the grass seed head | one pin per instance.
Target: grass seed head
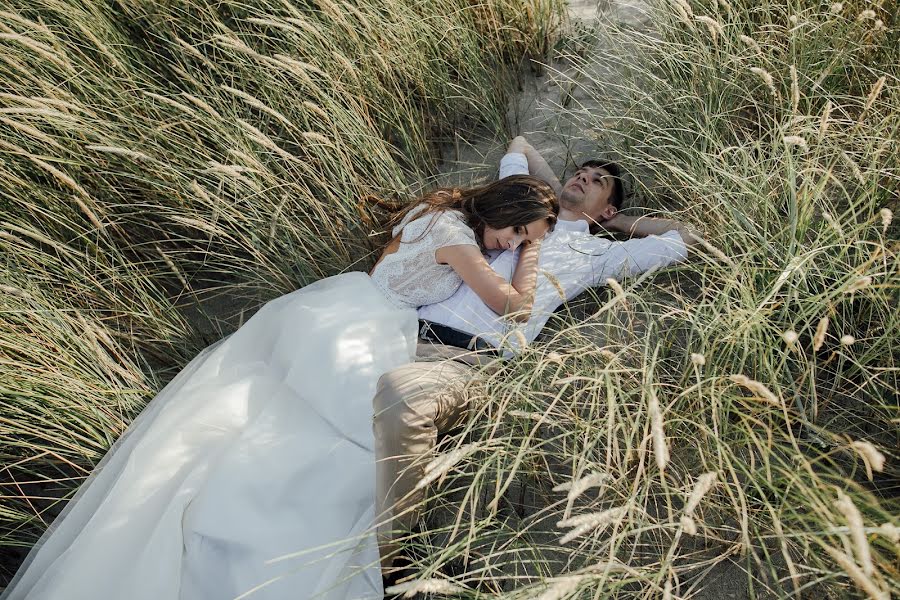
(616, 287)
(585, 523)
(866, 15)
(766, 78)
(789, 337)
(579, 486)
(701, 487)
(698, 359)
(520, 338)
(847, 340)
(119, 151)
(757, 388)
(890, 531)
(713, 26)
(833, 222)
(660, 450)
(872, 457)
(684, 11)
(795, 140)
(795, 90)
(686, 6)
(562, 587)
(92, 217)
(712, 249)
(873, 94)
(826, 116)
(173, 267)
(12, 291)
(442, 464)
(861, 283)
(857, 532)
(886, 217)
(424, 586)
(555, 283)
(821, 331)
(318, 138)
(522, 414)
(836, 8)
(750, 42)
(857, 172)
(856, 574)
(688, 524)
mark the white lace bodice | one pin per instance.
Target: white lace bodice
(411, 276)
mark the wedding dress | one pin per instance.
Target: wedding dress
(252, 474)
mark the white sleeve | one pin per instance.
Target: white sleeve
(639, 255)
(513, 163)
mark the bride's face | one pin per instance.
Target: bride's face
(510, 238)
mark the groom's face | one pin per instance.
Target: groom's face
(588, 191)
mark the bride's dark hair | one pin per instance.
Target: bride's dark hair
(513, 201)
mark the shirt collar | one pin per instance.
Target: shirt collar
(579, 226)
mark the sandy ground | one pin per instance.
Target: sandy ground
(545, 90)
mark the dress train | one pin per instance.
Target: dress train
(252, 471)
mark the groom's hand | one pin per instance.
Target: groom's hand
(537, 166)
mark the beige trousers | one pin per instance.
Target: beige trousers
(412, 405)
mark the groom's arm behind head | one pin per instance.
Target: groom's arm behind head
(537, 165)
(638, 227)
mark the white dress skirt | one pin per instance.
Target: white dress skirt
(250, 475)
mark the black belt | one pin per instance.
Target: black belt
(441, 334)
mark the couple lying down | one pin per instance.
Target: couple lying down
(266, 467)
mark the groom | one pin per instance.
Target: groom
(417, 401)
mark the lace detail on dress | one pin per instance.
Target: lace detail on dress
(411, 277)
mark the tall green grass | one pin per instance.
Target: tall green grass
(727, 428)
(154, 154)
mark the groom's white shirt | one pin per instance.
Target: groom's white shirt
(571, 261)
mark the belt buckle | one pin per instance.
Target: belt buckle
(426, 333)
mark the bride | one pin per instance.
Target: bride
(252, 473)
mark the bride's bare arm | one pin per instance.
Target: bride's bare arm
(513, 298)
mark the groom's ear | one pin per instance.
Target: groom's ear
(607, 213)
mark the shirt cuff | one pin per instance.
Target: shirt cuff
(677, 246)
(513, 163)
